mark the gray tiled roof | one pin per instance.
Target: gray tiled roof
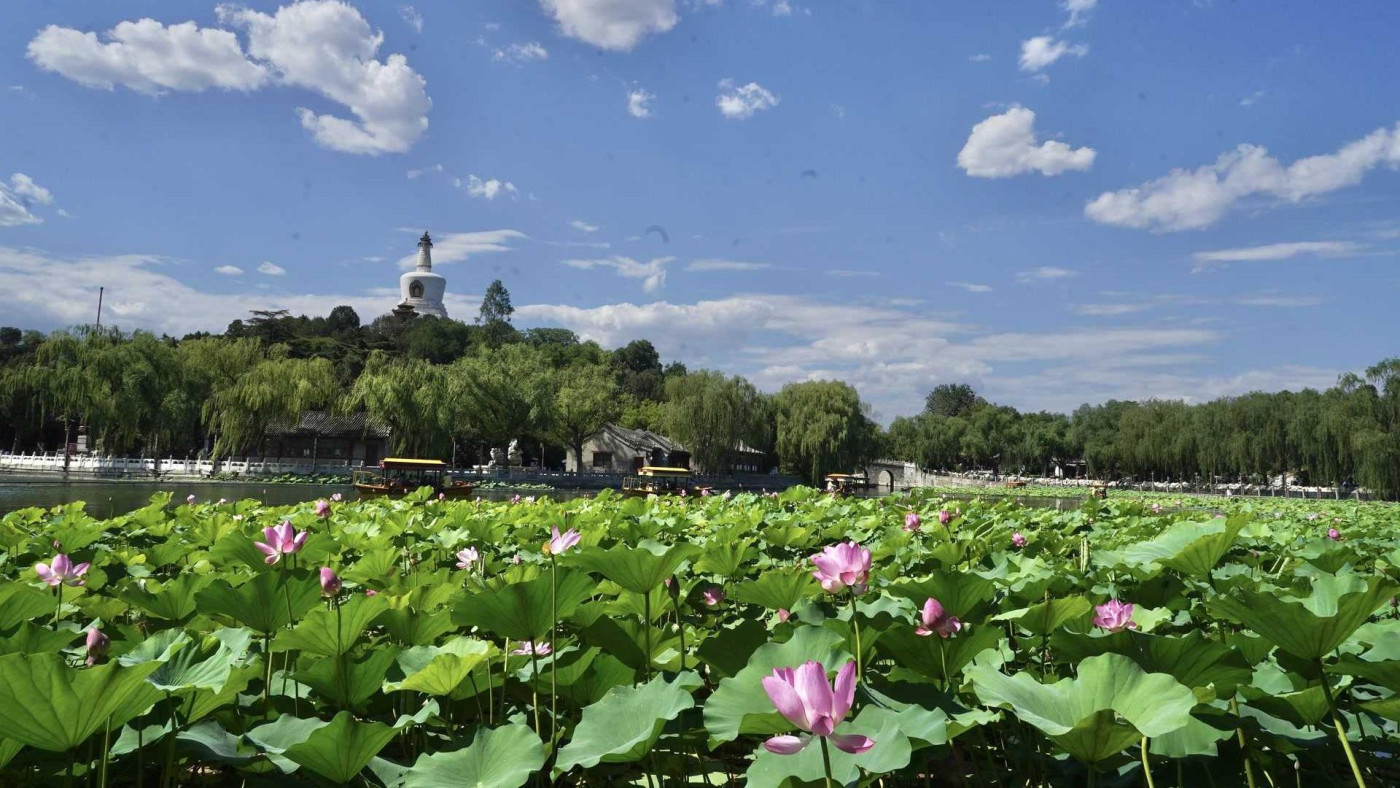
(319, 422)
(643, 439)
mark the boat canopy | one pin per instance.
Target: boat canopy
(651, 470)
(405, 463)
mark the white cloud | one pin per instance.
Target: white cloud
(716, 264)
(271, 269)
(1041, 51)
(1279, 251)
(782, 8)
(488, 189)
(1044, 273)
(1005, 145)
(612, 24)
(1251, 99)
(229, 270)
(63, 213)
(652, 272)
(1108, 310)
(18, 198)
(411, 17)
(521, 53)
(980, 57)
(1278, 300)
(320, 45)
(849, 272)
(1193, 199)
(971, 287)
(1077, 10)
(454, 247)
(579, 224)
(148, 57)
(26, 188)
(738, 102)
(639, 103)
(415, 174)
(328, 47)
(839, 111)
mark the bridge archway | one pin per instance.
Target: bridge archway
(884, 479)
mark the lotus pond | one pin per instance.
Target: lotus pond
(796, 639)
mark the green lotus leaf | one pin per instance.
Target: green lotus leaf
(203, 664)
(498, 758)
(209, 741)
(725, 557)
(1388, 708)
(1200, 736)
(50, 706)
(31, 638)
(342, 749)
(778, 589)
(1046, 617)
(206, 701)
(440, 670)
(346, 682)
(636, 569)
(623, 726)
(1308, 627)
(727, 650)
(1190, 548)
(413, 627)
(9, 748)
(21, 602)
(521, 610)
(174, 601)
(1385, 674)
(1304, 707)
(739, 704)
(604, 672)
(265, 603)
(273, 738)
(932, 655)
(960, 593)
(1193, 659)
(1081, 714)
(331, 633)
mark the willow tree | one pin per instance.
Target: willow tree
(410, 397)
(500, 394)
(275, 390)
(822, 428)
(585, 397)
(710, 414)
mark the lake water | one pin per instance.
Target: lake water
(109, 498)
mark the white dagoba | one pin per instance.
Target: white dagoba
(421, 288)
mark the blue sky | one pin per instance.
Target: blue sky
(1057, 202)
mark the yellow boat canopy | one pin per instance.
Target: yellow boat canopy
(650, 470)
(407, 463)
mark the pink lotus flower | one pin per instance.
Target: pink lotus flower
(944, 517)
(1114, 616)
(62, 571)
(560, 543)
(467, 558)
(442, 497)
(190, 499)
(515, 498)
(97, 644)
(841, 566)
(1156, 508)
(337, 497)
(1018, 540)
(713, 596)
(281, 540)
(1313, 516)
(783, 615)
(330, 582)
(516, 559)
(705, 493)
(1334, 534)
(323, 508)
(911, 522)
(531, 648)
(804, 699)
(936, 619)
(371, 592)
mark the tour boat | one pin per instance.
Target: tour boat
(655, 480)
(401, 475)
(843, 483)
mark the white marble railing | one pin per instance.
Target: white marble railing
(94, 465)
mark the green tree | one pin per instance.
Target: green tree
(275, 390)
(951, 399)
(639, 370)
(822, 428)
(409, 396)
(710, 414)
(500, 394)
(585, 397)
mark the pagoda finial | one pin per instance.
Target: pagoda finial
(425, 240)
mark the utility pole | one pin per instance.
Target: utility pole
(99, 306)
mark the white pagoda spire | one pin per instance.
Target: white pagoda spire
(422, 290)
